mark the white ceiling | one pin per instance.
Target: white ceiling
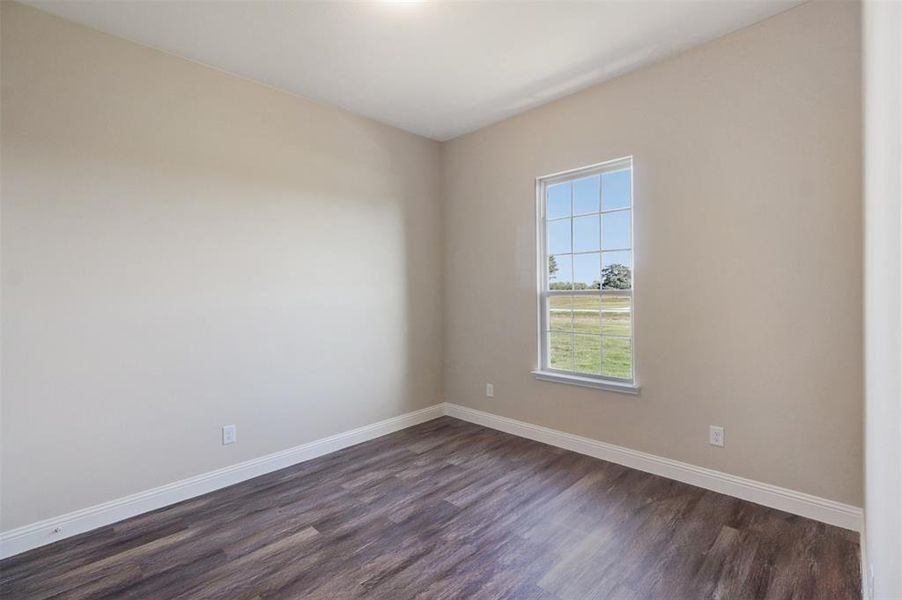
(439, 69)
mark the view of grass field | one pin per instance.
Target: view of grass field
(588, 246)
(590, 334)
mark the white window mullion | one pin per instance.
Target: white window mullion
(601, 242)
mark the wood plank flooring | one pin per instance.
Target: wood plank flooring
(448, 509)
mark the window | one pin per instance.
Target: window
(586, 276)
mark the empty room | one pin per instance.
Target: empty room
(396, 299)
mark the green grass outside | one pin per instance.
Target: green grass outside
(580, 326)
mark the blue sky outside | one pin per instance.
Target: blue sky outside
(597, 240)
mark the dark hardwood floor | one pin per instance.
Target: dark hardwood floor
(448, 509)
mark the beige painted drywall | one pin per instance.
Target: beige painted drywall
(748, 233)
(184, 249)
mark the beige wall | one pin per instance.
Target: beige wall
(748, 218)
(183, 249)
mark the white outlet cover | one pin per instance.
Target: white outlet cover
(715, 436)
(229, 434)
(490, 390)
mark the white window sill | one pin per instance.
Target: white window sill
(589, 382)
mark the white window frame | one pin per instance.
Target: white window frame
(544, 372)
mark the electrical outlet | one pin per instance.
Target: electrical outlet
(715, 436)
(489, 390)
(229, 434)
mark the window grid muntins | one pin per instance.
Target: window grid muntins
(584, 330)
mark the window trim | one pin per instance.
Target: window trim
(544, 372)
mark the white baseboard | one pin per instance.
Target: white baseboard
(797, 503)
(54, 529)
(24, 538)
